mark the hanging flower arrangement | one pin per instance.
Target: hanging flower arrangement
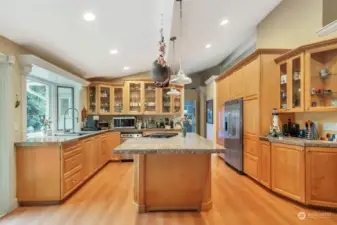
(160, 71)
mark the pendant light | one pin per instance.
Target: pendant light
(173, 90)
(181, 77)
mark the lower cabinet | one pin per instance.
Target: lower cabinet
(321, 176)
(251, 156)
(51, 173)
(288, 171)
(264, 163)
(114, 139)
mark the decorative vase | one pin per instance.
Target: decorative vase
(45, 131)
(183, 133)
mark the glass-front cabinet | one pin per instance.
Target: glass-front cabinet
(105, 99)
(118, 98)
(321, 79)
(135, 97)
(166, 101)
(291, 83)
(150, 98)
(177, 102)
(92, 100)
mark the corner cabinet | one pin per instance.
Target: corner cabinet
(291, 84)
(321, 177)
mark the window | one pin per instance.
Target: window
(65, 103)
(38, 106)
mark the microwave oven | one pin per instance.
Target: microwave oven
(124, 122)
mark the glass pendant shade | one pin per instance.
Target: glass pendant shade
(173, 91)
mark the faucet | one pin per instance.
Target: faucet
(64, 122)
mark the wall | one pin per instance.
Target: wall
(193, 95)
(329, 11)
(211, 95)
(293, 23)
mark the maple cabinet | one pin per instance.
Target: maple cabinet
(251, 78)
(133, 98)
(288, 171)
(321, 176)
(291, 84)
(307, 78)
(264, 164)
(51, 173)
(114, 140)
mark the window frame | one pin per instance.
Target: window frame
(50, 107)
(57, 105)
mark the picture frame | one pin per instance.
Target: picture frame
(209, 111)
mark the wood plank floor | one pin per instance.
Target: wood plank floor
(107, 199)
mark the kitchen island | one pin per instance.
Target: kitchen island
(171, 173)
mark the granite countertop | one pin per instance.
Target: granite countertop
(191, 144)
(57, 140)
(300, 142)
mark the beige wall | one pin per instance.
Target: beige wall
(292, 24)
(329, 11)
(10, 48)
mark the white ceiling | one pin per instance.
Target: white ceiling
(132, 27)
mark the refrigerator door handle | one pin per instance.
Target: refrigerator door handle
(229, 125)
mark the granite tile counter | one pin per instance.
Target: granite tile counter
(56, 140)
(300, 142)
(191, 144)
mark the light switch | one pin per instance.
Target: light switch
(16, 126)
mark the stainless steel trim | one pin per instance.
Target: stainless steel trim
(127, 117)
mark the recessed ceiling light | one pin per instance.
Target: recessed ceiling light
(224, 22)
(208, 46)
(126, 68)
(89, 16)
(113, 51)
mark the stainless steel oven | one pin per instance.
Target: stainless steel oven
(124, 122)
(126, 136)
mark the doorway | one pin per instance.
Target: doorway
(189, 111)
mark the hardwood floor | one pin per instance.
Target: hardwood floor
(108, 199)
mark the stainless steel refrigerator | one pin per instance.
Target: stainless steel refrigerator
(233, 132)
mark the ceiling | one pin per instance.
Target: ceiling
(57, 28)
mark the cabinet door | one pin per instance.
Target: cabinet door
(114, 141)
(321, 177)
(264, 164)
(251, 74)
(177, 103)
(105, 99)
(251, 117)
(237, 87)
(166, 101)
(118, 100)
(102, 153)
(135, 97)
(250, 165)
(92, 99)
(296, 82)
(220, 125)
(94, 160)
(288, 171)
(86, 157)
(283, 86)
(150, 98)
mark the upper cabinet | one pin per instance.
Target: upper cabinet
(291, 84)
(118, 99)
(322, 79)
(92, 100)
(150, 98)
(105, 105)
(133, 98)
(308, 78)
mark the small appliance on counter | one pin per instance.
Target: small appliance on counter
(91, 124)
(274, 129)
(291, 129)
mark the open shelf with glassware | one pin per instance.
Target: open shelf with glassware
(322, 79)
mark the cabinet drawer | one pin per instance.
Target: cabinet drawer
(250, 165)
(72, 181)
(250, 146)
(69, 146)
(72, 162)
(73, 152)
